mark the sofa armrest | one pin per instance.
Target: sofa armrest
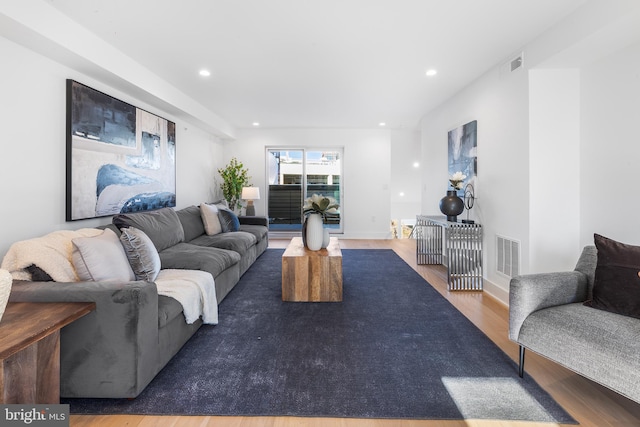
(533, 292)
(112, 351)
(254, 220)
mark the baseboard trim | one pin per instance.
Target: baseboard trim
(496, 291)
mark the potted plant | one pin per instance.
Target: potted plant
(320, 204)
(234, 177)
(315, 210)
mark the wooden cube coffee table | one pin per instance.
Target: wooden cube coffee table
(312, 276)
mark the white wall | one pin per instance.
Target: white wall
(557, 146)
(32, 110)
(610, 147)
(554, 168)
(368, 172)
(406, 177)
(499, 102)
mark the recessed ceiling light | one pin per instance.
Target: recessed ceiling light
(382, 124)
(402, 194)
(205, 73)
(431, 72)
(416, 164)
(256, 124)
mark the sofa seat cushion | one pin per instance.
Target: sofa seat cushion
(193, 257)
(238, 241)
(168, 309)
(597, 344)
(260, 231)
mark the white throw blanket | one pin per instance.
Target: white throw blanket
(52, 253)
(194, 289)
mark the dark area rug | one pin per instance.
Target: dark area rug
(394, 348)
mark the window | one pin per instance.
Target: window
(295, 174)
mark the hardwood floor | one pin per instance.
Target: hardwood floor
(590, 404)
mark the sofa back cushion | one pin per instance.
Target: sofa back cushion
(162, 226)
(587, 265)
(191, 222)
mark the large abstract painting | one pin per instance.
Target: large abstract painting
(463, 152)
(119, 158)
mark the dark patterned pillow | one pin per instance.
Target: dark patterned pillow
(228, 220)
(38, 274)
(616, 287)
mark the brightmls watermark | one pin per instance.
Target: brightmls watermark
(34, 415)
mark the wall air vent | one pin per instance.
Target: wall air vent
(507, 256)
(516, 62)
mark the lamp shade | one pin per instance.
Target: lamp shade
(250, 193)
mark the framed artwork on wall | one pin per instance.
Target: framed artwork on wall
(463, 153)
(120, 158)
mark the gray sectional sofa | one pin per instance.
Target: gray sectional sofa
(115, 351)
(548, 315)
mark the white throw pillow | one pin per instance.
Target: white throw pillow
(101, 258)
(209, 214)
(143, 255)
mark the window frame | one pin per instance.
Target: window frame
(304, 184)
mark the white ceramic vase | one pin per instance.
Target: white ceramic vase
(325, 238)
(315, 232)
(5, 289)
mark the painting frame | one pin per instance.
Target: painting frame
(119, 158)
(462, 146)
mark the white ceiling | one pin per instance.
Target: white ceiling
(318, 63)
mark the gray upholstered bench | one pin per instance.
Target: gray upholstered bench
(547, 315)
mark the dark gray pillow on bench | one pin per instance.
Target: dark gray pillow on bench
(616, 287)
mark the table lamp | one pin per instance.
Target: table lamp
(250, 194)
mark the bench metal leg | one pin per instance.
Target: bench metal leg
(521, 362)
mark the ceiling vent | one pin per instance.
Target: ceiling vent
(516, 62)
(508, 256)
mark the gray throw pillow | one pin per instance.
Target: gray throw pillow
(101, 257)
(142, 254)
(162, 226)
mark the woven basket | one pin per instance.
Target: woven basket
(5, 289)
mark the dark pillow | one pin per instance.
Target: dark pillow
(38, 274)
(616, 287)
(228, 220)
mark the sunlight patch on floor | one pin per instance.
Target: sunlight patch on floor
(503, 398)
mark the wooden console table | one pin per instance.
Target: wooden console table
(312, 276)
(30, 349)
